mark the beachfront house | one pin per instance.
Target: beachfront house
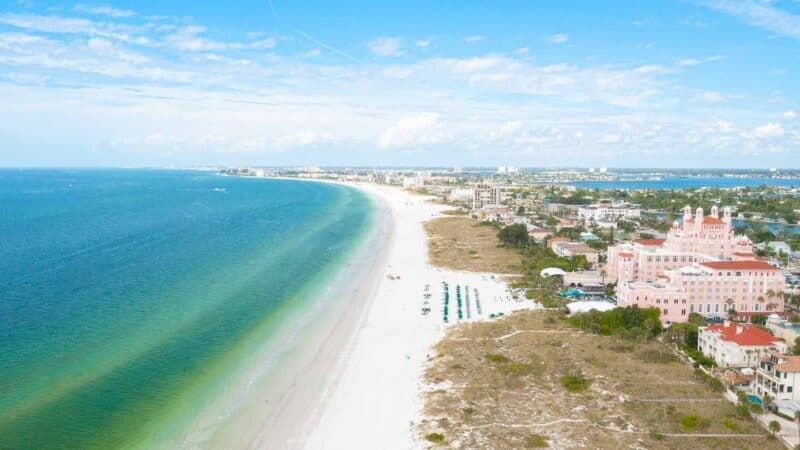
(572, 249)
(778, 375)
(736, 345)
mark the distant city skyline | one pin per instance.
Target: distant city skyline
(667, 84)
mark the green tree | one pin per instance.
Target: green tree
(515, 235)
(774, 427)
(696, 319)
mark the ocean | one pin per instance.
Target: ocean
(130, 299)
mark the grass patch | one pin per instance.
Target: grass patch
(519, 381)
(496, 358)
(657, 356)
(436, 438)
(536, 441)
(463, 243)
(693, 421)
(575, 383)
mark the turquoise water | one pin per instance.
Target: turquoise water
(754, 399)
(126, 296)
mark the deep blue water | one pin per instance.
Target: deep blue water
(119, 289)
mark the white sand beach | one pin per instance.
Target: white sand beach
(373, 398)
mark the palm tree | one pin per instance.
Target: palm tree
(774, 426)
(603, 274)
(729, 302)
(767, 401)
(770, 294)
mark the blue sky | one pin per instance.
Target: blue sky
(692, 83)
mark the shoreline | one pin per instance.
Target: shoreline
(357, 382)
(374, 399)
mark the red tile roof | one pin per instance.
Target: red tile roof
(711, 220)
(748, 336)
(790, 364)
(651, 242)
(739, 265)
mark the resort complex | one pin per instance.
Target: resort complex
(701, 266)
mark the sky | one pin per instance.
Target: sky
(659, 83)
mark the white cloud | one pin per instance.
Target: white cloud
(104, 11)
(760, 14)
(725, 127)
(423, 43)
(313, 53)
(521, 51)
(769, 130)
(474, 38)
(189, 39)
(610, 138)
(303, 138)
(789, 115)
(398, 72)
(415, 130)
(386, 46)
(559, 38)
(696, 61)
(510, 127)
(650, 69)
(711, 97)
(689, 62)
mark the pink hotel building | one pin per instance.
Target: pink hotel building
(700, 267)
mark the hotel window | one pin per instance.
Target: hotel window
(665, 312)
(683, 312)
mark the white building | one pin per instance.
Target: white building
(486, 195)
(778, 375)
(507, 169)
(464, 196)
(736, 345)
(413, 182)
(605, 212)
(571, 249)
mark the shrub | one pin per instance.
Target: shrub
(630, 322)
(712, 382)
(731, 424)
(656, 436)
(496, 358)
(693, 421)
(436, 438)
(516, 369)
(575, 383)
(741, 411)
(536, 441)
(515, 235)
